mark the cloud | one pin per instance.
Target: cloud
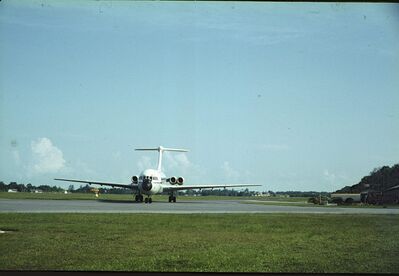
(329, 176)
(229, 172)
(177, 162)
(145, 162)
(169, 162)
(47, 158)
(336, 180)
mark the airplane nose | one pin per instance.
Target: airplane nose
(147, 185)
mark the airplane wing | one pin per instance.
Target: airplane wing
(126, 186)
(169, 188)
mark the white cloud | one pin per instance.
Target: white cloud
(229, 172)
(329, 176)
(145, 162)
(47, 158)
(335, 180)
(177, 162)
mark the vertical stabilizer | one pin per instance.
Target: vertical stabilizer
(161, 149)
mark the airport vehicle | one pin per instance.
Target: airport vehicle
(154, 181)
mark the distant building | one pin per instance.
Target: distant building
(391, 195)
(262, 194)
(12, 190)
(37, 191)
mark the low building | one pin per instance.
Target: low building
(346, 198)
(12, 190)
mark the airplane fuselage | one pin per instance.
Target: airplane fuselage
(150, 182)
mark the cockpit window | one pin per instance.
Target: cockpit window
(148, 177)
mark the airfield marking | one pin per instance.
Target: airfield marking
(181, 207)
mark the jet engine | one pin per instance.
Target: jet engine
(135, 179)
(180, 180)
(173, 180)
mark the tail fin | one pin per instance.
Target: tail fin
(161, 149)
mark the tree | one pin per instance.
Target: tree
(3, 186)
(29, 187)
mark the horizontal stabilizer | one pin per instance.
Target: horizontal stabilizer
(160, 148)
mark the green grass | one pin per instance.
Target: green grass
(298, 204)
(202, 243)
(130, 197)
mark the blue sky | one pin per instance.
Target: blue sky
(299, 96)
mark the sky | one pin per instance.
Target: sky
(292, 96)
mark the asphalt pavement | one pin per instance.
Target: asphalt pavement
(180, 207)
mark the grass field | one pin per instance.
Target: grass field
(130, 197)
(203, 243)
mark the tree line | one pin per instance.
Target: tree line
(28, 188)
(204, 192)
(379, 179)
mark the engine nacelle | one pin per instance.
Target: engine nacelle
(180, 180)
(135, 179)
(172, 180)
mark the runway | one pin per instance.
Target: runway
(180, 207)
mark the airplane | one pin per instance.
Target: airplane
(154, 181)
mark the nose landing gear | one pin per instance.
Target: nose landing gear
(148, 200)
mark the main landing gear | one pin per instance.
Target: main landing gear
(172, 198)
(139, 198)
(148, 200)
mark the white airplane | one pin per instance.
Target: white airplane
(151, 181)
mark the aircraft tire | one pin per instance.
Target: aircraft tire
(146, 200)
(174, 199)
(150, 200)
